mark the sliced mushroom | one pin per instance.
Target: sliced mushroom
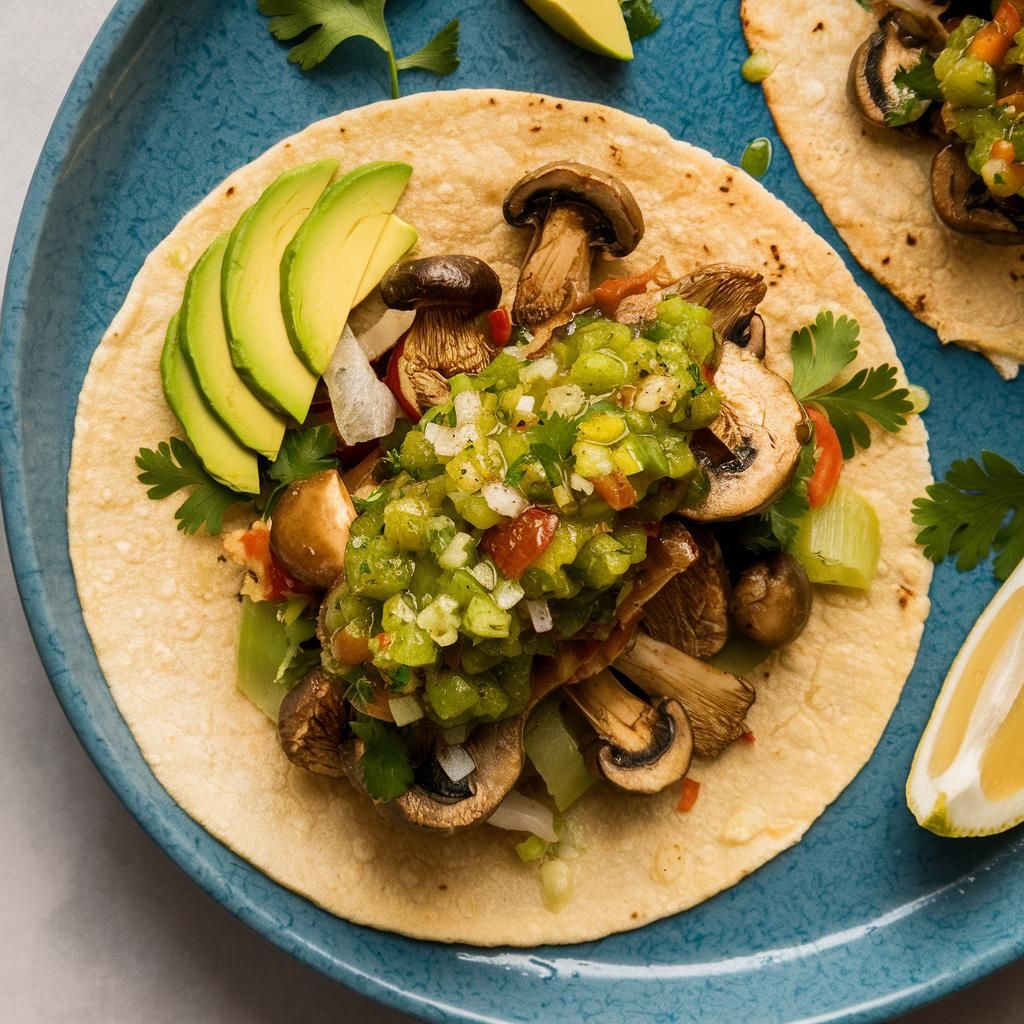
(731, 292)
(921, 19)
(871, 84)
(691, 612)
(672, 552)
(447, 293)
(644, 748)
(310, 526)
(311, 725)
(966, 205)
(751, 450)
(715, 702)
(772, 601)
(361, 479)
(575, 211)
(440, 805)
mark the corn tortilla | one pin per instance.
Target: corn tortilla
(875, 184)
(162, 611)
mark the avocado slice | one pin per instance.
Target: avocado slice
(251, 288)
(324, 263)
(396, 240)
(220, 452)
(596, 25)
(204, 340)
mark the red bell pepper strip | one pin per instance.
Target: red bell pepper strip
(517, 543)
(500, 325)
(688, 795)
(830, 460)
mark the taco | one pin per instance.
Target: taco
(901, 158)
(539, 566)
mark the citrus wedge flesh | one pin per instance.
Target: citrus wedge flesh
(967, 778)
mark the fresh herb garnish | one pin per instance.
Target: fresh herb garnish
(641, 18)
(334, 21)
(778, 527)
(375, 499)
(920, 79)
(387, 770)
(173, 466)
(977, 509)
(391, 462)
(360, 691)
(303, 454)
(550, 445)
(823, 349)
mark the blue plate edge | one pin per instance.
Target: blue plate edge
(26, 567)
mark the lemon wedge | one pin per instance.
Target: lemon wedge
(967, 778)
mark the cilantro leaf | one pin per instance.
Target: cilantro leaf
(977, 509)
(821, 350)
(550, 445)
(778, 526)
(387, 770)
(304, 453)
(173, 466)
(331, 22)
(375, 499)
(870, 393)
(440, 55)
(641, 18)
(920, 79)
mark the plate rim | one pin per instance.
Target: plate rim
(163, 823)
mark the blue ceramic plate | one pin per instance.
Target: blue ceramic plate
(869, 916)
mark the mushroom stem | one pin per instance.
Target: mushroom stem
(614, 712)
(716, 702)
(556, 273)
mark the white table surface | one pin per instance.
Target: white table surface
(98, 924)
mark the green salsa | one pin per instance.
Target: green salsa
(517, 512)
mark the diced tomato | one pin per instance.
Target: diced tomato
(748, 737)
(688, 795)
(829, 466)
(383, 641)
(616, 490)
(500, 325)
(278, 584)
(515, 544)
(607, 295)
(993, 41)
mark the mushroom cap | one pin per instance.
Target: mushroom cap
(871, 85)
(311, 725)
(310, 526)
(615, 219)
(462, 282)
(665, 763)
(772, 601)
(732, 293)
(965, 205)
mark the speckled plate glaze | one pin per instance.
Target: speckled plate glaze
(869, 916)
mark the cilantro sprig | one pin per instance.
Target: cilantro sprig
(327, 23)
(551, 444)
(387, 770)
(303, 454)
(820, 352)
(641, 18)
(978, 509)
(778, 526)
(173, 467)
(917, 87)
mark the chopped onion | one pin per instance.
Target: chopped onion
(456, 554)
(655, 393)
(503, 499)
(526, 403)
(540, 615)
(518, 813)
(456, 762)
(456, 734)
(485, 574)
(405, 710)
(562, 496)
(384, 334)
(403, 611)
(581, 483)
(449, 441)
(539, 369)
(567, 399)
(507, 594)
(440, 620)
(364, 407)
(467, 407)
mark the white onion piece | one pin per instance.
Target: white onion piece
(448, 441)
(567, 399)
(467, 407)
(526, 403)
(518, 813)
(540, 369)
(581, 483)
(456, 762)
(655, 393)
(503, 499)
(364, 407)
(507, 594)
(384, 334)
(485, 574)
(540, 615)
(405, 710)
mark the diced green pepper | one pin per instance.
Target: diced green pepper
(377, 569)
